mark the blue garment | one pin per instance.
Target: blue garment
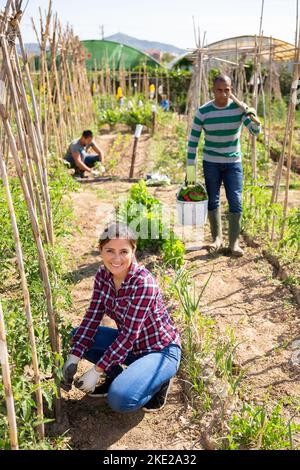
(134, 386)
(231, 174)
(164, 104)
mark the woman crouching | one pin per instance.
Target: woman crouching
(146, 340)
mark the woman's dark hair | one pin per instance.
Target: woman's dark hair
(118, 230)
(87, 134)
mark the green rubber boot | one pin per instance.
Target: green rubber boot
(234, 233)
(214, 218)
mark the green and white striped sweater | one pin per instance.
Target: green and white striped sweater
(222, 128)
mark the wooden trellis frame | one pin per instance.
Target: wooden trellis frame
(26, 133)
(10, 405)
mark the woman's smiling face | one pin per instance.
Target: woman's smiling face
(117, 257)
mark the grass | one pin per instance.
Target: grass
(261, 427)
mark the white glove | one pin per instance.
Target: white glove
(191, 174)
(88, 381)
(95, 172)
(70, 368)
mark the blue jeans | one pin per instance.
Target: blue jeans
(134, 386)
(88, 160)
(231, 174)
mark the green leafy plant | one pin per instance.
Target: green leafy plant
(226, 367)
(129, 116)
(144, 212)
(258, 427)
(173, 253)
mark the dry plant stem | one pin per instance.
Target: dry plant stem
(10, 405)
(28, 198)
(293, 101)
(288, 141)
(19, 253)
(35, 134)
(24, 138)
(36, 232)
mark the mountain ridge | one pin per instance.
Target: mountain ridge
(143, 44)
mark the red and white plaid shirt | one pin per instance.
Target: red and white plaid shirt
(144, 324)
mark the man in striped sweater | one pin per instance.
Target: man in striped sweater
(222, 121)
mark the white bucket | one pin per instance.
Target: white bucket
(192, 213)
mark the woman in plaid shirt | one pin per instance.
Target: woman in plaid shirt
(146, 340)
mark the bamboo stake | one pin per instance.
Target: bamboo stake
(270, 106)
(68, 90)
(7, 49)
(102, 85)
(50, 105)
(35, 227)
(36, 112)
(10, 405)
(53, 43)
(27, 125)
(53, 332)
(34, 130)
(38, 392)
(297, 22)
(130, 93)
(256, 68)
(290, 114)
(264, 114)
(42, 85)
(254, 104)
(28, 199)
(293, 103)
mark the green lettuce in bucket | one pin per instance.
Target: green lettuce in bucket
(192, 193)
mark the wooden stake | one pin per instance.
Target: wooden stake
(35, 133)
(10, 405)
(38, 392)
(293, 103)
(270, 105)
(133, 158)
(154, 115)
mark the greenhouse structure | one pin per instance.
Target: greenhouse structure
(100, 53)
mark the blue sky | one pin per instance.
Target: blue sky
(169, 21)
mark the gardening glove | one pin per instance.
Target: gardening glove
(251, 112)
(95, 172)
(88, 381)
(190, 174)
(70, 368)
